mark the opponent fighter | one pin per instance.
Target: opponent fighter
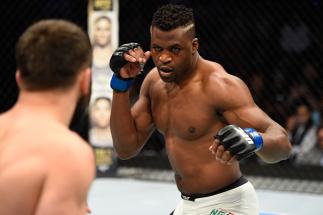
(44, 167)
(207, 116)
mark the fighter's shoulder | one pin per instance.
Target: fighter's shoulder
(150, 79)
(70, 159)
(71, 141)
(152, 75)
(62, 144)
(219, 78)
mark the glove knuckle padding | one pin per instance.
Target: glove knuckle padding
(237, 141)
(224, 130)
(117, 60)
(237, 147)
(223, 133)
(231, 139)
(246, 152)
(241, 156)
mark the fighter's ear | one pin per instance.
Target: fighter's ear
(195, 45)
(18, 78)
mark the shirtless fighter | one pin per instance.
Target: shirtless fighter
(207, 116)
(46, 169)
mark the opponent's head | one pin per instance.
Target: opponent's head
(102, 31)
(54, 55)
(173, 42)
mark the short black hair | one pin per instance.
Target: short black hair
(170, 16)
(50, 54)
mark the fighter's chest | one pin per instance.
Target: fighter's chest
(187, 115)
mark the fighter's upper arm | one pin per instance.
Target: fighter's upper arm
(237, 105)
(71, 170)
(141, 110)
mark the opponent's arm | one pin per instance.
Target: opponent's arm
(130, 127)
(70, 173)
(251, 130)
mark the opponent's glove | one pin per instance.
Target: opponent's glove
(117, 61)
(241, 143)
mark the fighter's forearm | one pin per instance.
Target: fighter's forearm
(123, 128)
(276, 145)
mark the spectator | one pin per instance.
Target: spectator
(295, 35)
(315, 155)
(320, 143)
(302, 131)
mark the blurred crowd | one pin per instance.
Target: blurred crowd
(293, 94)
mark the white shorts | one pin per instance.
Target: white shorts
(241, 200)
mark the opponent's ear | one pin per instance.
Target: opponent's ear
(18, 78)
(86, 82)
(195, 45)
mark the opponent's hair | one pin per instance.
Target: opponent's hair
(170, 16)
(51, 53)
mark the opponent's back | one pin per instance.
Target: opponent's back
(44, 167)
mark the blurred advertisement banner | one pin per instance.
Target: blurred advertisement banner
(103, 30)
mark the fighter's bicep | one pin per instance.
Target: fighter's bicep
(240, 109)
(250, 116)
(142, 116)
(141, 110)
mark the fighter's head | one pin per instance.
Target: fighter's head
(173, 43)
(170, 17)
(53, 54)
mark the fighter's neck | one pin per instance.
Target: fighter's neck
(49, 105)
(191, 74)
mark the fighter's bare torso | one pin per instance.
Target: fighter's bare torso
(188, 117)
(33, 151)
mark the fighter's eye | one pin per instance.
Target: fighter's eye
(157, 49)
(175, 50)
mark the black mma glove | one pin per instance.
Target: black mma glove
(117, 61)
(241, 143)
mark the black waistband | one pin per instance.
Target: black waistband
(191, 197)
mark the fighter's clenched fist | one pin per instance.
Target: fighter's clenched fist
(233, 141)
(126, 63)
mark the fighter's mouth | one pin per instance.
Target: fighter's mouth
(165, 69)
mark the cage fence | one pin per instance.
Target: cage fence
(275, 47)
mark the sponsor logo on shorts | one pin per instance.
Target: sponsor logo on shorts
(220, 211)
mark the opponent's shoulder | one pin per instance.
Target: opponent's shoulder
(3, 122)
(5, 119)
(70, 172)
(70, 155)
(59, 144)
(71, 143)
